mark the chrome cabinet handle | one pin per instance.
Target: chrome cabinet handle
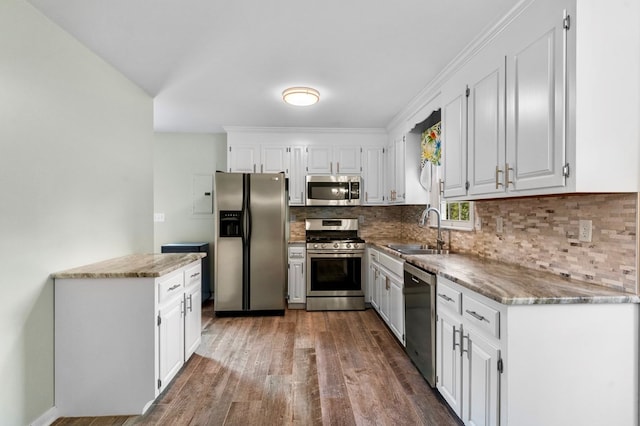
(462, 345)
(445, 297)
(506, 175)
(454, 338)
(195, 275)
(182, 308)
(191, 303)
(254, 168)
(173, 287)
(441, 187)
(366, 197)
(338, 167)
(476, 315)
(415, 280)
(331, 166)
(498, 183)
(261, 168)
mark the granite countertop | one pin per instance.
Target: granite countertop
(511, 284)
(132, 266)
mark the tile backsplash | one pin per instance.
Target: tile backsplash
(538, 232)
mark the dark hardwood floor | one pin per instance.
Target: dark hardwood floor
(305, 368)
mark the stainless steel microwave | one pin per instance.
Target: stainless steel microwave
(331, 190)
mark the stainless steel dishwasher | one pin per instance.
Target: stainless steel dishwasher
(420, 320)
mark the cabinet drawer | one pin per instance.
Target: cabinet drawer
(481, 316)
(394, 265)
(193, 275)
(170, 286)
(296, 253)
(448, 297)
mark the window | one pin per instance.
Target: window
(457, 214)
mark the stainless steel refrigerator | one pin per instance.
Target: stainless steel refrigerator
(250, 252)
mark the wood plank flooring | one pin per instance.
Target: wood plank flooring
(305, 368)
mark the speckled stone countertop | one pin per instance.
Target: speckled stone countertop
(512, 284)
(132, 266)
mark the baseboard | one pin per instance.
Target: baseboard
(48, 417)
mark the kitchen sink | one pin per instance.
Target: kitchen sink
(415, 249)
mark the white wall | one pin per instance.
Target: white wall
(178, 157)
(76, 186)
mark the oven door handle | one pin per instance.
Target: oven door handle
(343, 253)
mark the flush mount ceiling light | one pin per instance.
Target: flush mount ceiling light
(301, 96)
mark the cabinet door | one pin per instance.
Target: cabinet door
(192, 320)
(480, 381)
(297, 176)
(275, 159)
(536, 103)
(372, 171)
(385, 284)
(171, 339)
(348, 159)
(375, 288)
(454, 139)
(448, 361)
(244, 158)
(297, 282)
(400, 150)
(320, 160)
(390, 171)
(396, 309)
(486, 117)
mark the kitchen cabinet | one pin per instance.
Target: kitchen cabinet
(386, 276)
(297, 173)
(403, 170)
(372, 275)
(272, 158)
(297, 277)
(532, 364)
(518, 83)
(192, 310)
(120, 341)
(373, 175)
(258, 158)
(468, 355)
(334, 159)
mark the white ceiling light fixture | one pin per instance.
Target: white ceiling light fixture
(301, 96)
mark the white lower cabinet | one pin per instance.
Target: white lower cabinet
(468, 360)
(537, 364)
(297, 277)
(385, 283)
(120, 341)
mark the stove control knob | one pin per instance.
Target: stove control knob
(315, 246)
(348, 245)
(336, 245)
(323, 245)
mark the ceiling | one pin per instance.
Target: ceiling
(215, 63)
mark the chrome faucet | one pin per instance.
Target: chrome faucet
(425, 213)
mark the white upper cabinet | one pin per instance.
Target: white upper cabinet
(373, 174)
(504, 112)
(542, 115)
(536, 88)
(323, 159)
(486, 121)
(244, 158)
(454, 137)
(275, 159)
(297, 175)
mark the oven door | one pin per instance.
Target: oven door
(334, 273)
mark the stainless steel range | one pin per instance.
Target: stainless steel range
(335, 265)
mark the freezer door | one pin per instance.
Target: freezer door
(228, 252)
(267, 250)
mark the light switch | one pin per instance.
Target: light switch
(158, 217)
